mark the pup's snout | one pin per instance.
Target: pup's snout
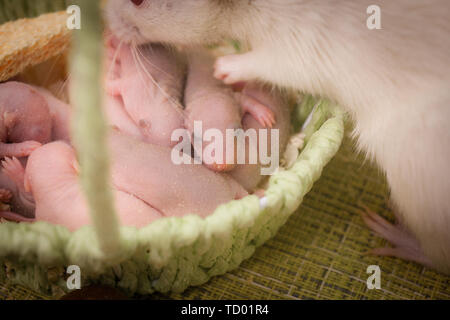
(222, 167)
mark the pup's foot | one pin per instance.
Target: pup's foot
(5, 195)
(13, 168)
(257, 110)
(405, 246)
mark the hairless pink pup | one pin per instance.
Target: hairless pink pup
(25, 121)
(160, 189)
(149, 80)
(208, 100)
(249, 175)
(29, 117)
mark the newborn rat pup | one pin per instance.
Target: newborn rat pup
(51, 179)
(25, 121)
(249, 175)
(30, 117)
(149, 80)
(60, 113)
(394, 82)
(13, 196)
(160, 189)
(214, 105)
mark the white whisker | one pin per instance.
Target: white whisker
(174, 103)
(114, 59)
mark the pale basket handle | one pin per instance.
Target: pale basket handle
(90, 129)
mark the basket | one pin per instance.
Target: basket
(170, 254)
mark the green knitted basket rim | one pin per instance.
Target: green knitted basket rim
(173, 253)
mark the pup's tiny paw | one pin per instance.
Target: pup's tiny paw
(265, 117)
(13, 168)
(263, 114)
(5, 195)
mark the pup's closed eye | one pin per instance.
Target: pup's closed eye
(137, 3)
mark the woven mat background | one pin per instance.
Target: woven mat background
(320, 252)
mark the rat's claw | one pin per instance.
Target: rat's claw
(13, 168)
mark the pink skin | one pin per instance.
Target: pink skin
(249, 175)
(25, 120)
(60, 113)
(14, 194)
(153, 105)
(175, 190)
(160, 189)
(52, 177)
(32, 115)
(117, 116)
(209, 101)
(5, 195)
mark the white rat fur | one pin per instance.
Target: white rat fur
(394, 82)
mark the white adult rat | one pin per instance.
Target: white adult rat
(394, 82)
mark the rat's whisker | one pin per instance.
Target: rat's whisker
(177, 105)
(63, 86)
(141, 68)
(139, 50)
(114, 60)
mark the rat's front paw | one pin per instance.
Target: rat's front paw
(229, 69)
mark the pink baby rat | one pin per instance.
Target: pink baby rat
(151, 91)
(159, 189)
(30, 117)
(250, 175)
(25, 121)
(149, 80)
(393, 80)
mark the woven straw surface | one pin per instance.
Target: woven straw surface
(319, 253)
(31, 41)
